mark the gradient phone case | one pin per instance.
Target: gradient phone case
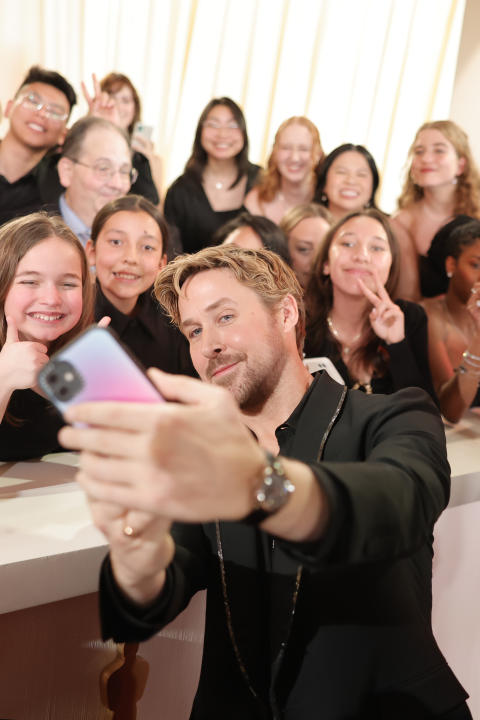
(95, 366)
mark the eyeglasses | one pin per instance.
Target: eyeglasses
(33, 101)
(105, 171)
(214, 125)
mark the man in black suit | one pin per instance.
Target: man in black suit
(304, 509)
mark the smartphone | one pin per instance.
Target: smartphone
(95, 366)
(145, 131)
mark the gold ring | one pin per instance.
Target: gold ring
(128, 531)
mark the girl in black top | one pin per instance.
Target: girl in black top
(128, 247)
(376, 344)
(217, 176)
(46, 298)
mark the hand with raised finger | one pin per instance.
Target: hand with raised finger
(100, 104)
(20, 360)
(386, 317)
(191, 459)
(104, 321)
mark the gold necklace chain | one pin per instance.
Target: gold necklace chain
(345, 348)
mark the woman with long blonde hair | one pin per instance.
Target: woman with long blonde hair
(292, 170)
(442, 182)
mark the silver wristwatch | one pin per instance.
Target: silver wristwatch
(273, 493)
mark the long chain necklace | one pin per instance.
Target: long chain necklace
(345, 348)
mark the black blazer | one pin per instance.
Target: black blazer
(360, 643)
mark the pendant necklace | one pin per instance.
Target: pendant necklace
(345, 348)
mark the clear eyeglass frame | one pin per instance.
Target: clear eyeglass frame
(35, 102)
(104, 171)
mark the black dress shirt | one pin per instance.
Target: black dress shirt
(148, 333)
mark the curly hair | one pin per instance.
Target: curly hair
(271, 179)
(467, 189)
(319, 293)
(263, 271)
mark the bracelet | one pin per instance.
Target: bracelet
(470, 356)
(462, 370)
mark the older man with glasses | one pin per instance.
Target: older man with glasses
(95, 168)
(38, 117)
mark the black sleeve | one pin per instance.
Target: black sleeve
(409, 365)
(123, 621)
(385, 506)
(144, 184)
(175, 211)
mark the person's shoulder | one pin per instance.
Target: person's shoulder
(183, 182)
(252, 202)
(402, 221)
(433, 305)
(410, 308)
(407, 408)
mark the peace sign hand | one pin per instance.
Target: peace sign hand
(386, 318)
(101, 104)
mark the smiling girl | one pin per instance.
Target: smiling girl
(291, 175)
(454, 323)
(46, 298)
(376, 344)
(442, 182)
(128, 247)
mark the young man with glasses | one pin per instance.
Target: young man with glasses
(38, 117)
(95, 168)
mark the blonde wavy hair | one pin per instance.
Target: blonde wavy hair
(261, 270)
(467, 189)
(304, 212)
(271, 179)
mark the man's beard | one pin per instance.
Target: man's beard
(251, 386)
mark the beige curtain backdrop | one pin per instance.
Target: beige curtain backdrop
(365, 71)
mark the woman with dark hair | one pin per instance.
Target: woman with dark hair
(375, 344)
(253, 232)
(46, 298)
(454, 323)
(116, 99)
(128, 247)
(291, 175)
(433, 276)
(348, 180)
(442, 182)
(216, 179)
